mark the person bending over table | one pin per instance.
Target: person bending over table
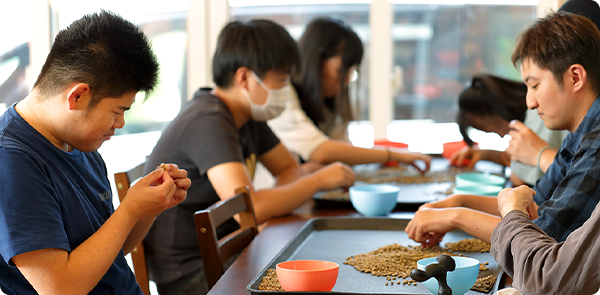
(314, 124)
(494, 104)
(563, 83)
(221, 134)
(60, 233)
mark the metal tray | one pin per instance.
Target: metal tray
(413, 194)
(335, 239)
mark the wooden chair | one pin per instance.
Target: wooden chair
(215, 252)
(123, 181)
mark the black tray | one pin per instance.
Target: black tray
(335, 239)
(412, 195)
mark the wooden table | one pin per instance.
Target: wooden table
(273, 236)
(271, 239)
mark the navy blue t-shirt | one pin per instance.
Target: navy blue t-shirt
(51, 199)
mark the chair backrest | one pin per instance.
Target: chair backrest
(215, 252)
(123, 181)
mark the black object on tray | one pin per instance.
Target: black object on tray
(335, 239)
(438, 271)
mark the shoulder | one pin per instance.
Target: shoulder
(204, 113)
(591, 139)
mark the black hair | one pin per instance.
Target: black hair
(260, 45)
(558, 41)
(325, 38)
(487, 95)
(103, 50)
(587, 8)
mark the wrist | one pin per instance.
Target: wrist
(456, 201)
(455, 217)
(540, 156)
(127, 216)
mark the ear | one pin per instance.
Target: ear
(577, 77)
(78, 95)
(241, 77)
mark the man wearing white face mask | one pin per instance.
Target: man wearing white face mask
(219, 136)
(275, 104)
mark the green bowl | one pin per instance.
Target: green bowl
(476, 178)
(481, 190)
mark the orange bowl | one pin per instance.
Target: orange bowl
(307, 275)
(389, 143)
(452, 147)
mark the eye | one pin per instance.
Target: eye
(535, 86)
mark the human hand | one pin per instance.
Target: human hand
(429, 226)
(335, 175)
(466, 156)
(413, 158)
(161, 189)
(519, 198)
(525, 145)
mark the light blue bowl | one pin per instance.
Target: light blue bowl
(374, 199)
(476, 178)
(481, 190)
(460, 280)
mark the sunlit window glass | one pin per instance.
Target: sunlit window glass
(164, 22)
(14, 50)
(439, 47)
(295, 15)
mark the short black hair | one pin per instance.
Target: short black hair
(487, 95)
(103, 50)
(260, 45)
(559, 41)
(324, 38)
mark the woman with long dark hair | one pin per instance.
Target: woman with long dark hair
(493, 104)
(314, 124)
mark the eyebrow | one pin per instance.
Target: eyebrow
(528, 78)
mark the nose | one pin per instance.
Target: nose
(119, 122)
(530, 100)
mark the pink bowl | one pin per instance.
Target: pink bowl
(307, 275)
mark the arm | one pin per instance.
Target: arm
(56, 271)
(480, 203)
(301, 136)
(536, 262)
(475, 155)
(429, 226)
(334, 150)
(283, 198)
(282, 165)
(525, 147)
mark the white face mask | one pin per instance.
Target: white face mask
(275, 104)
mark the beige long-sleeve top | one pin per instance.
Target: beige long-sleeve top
(540, 265)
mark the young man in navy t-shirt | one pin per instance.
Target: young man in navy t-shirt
(59, 233)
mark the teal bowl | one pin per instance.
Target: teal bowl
(480, 190)
(460, 280)
(374, 199)
(476, 178)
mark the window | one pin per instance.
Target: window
(295, 17)
(165, 24)
(438, 48)
(14, 50)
